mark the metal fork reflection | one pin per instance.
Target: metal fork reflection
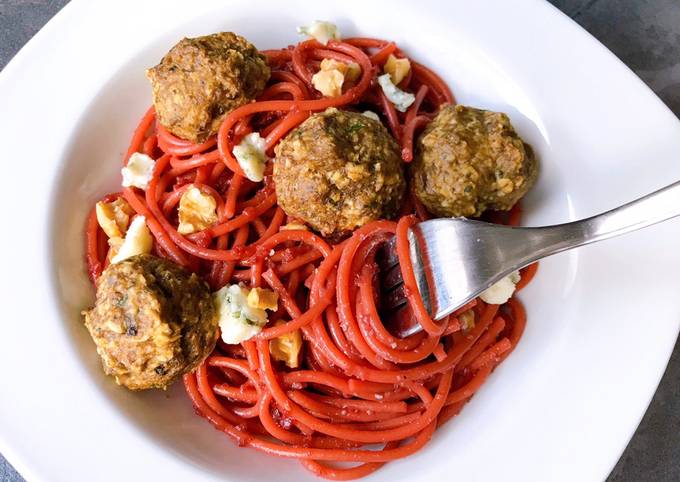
(455, 260)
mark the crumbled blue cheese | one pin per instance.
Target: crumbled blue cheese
(501, 291)
(238, 319)
(371, 115)
(321, 31)
(250, 154)
(138, 240)
(138, 171)
(401, 100)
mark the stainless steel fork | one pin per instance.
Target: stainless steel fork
(456, 259)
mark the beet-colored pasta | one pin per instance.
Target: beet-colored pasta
(357, 384)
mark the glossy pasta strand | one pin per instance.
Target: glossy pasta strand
(357, 385)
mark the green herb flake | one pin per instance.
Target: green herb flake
(355, 127)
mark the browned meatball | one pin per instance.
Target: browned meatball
(470, 160)
(152, 322)
(200, 80)
(338, 171)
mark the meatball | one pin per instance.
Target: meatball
(470, 160)
(152, 322)
(200, 80)
(338, 171)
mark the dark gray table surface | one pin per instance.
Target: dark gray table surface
(645, 34)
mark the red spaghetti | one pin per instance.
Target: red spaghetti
(358, 386)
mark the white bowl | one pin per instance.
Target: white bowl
(602, 320)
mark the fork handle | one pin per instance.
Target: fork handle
(645, 211)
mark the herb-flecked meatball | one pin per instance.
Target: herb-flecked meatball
(200, 80)
(338, 171)
(470, 160)
(152, 321)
